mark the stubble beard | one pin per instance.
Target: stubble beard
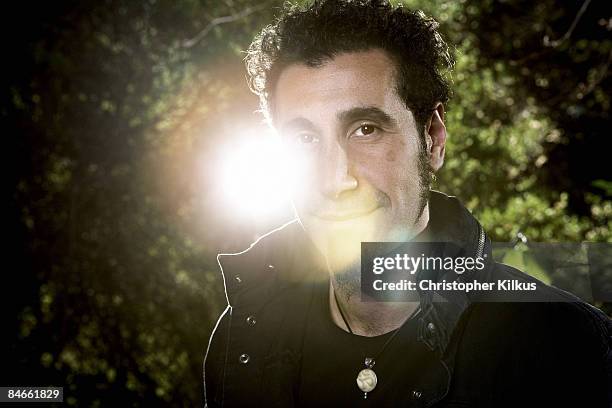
(347, 281)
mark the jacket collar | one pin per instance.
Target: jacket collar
(452, 223)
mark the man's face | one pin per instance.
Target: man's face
(358, 150)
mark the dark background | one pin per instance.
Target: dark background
(116, 111)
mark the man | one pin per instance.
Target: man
(356, 91)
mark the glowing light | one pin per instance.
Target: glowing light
(254, 178)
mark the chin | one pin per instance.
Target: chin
(363, 228)
(340, 241)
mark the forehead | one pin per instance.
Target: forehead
(365, 78)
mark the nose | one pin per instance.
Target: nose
(336, 174)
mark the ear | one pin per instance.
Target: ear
(436, 137)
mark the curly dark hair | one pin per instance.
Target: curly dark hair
(316, 33)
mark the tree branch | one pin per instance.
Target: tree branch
(218, 21)
(568, 33)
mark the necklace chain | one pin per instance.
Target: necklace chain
(372, 360)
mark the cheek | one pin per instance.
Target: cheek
(396, 150)
(392, 169)
(302, 182)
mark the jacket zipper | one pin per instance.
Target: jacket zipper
(481, 242)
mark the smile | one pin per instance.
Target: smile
(344, 216)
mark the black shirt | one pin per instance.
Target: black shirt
(332, 359)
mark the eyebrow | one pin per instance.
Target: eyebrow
(367, 112)
(298, 124)
(347, 116)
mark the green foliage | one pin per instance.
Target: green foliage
(501, 126)
(115, 112)
(115, 102)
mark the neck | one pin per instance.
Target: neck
(369, 319)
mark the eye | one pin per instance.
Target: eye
(303, 138)
(366, 129)
(306, 138)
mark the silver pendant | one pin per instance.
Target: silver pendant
(366, 379)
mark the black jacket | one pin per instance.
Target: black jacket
(479, 353)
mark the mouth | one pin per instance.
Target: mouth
(343, 216)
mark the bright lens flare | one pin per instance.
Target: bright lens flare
(255, 177)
